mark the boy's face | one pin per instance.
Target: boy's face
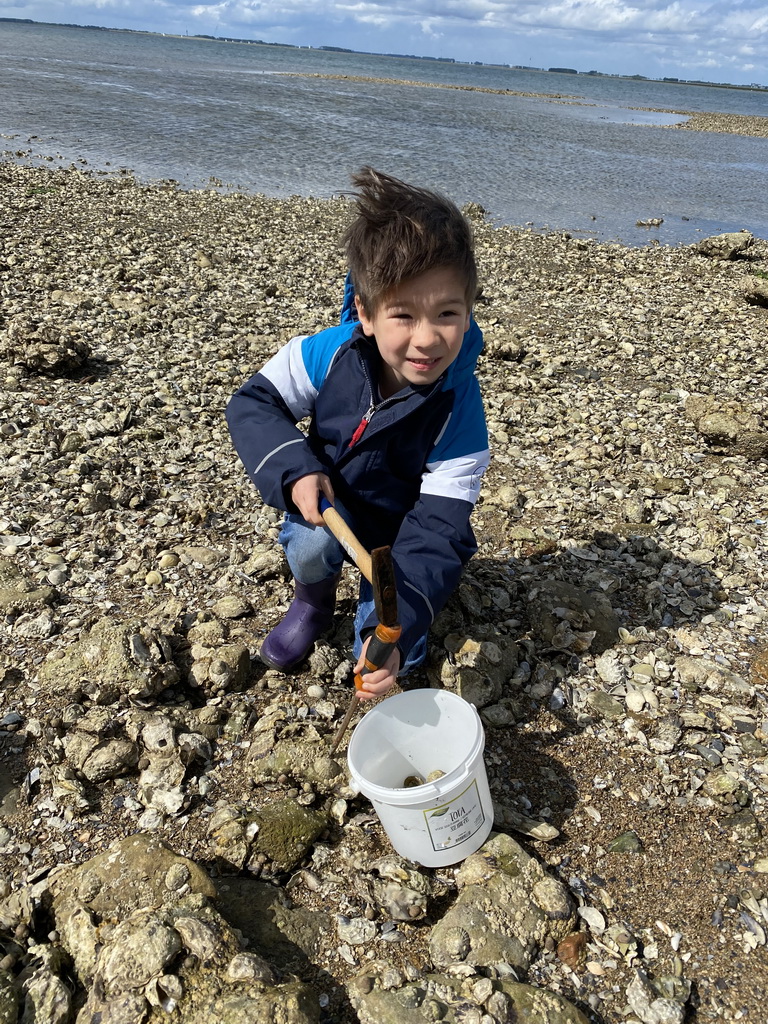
(418, 327)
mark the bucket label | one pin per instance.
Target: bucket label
(457, 821)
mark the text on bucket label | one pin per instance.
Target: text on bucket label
(457, 821)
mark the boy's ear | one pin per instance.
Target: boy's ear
(365, 321)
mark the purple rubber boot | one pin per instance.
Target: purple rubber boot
(310, 614)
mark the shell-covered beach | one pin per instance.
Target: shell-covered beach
(176, 842)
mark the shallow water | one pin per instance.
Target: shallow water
(194, 110)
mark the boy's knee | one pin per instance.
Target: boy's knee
(313, 553)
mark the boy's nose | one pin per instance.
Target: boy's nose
(426, 335)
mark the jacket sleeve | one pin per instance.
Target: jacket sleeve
(435, 540)
(262, 417)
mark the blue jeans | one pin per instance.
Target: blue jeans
(313, 555)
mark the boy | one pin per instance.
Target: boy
(397, 440)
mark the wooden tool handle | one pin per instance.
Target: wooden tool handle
(346, 538)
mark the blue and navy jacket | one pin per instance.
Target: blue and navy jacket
(411, 476)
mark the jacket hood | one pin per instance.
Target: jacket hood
(465, 362)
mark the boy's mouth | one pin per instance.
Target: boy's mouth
(424, 364)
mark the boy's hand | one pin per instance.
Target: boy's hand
(376, 684)
(305, 495)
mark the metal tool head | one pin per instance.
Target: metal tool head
(384, 587)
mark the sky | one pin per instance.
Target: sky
(716, 41)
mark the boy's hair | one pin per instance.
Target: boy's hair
(401, 231)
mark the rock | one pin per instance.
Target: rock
(660, 1001)
(287, 831)
(113, 659)
(698, 671)
(18, 592)
(476, 669)
(139, 948)
(726, 246)
(568, 617)
(301, 761)
(110, 760)
(627, 842)
(9, 1000)
(506, 909)
(357, 931)
(207, 558)
(249, 967)
(47, 996)
(605, 705)
(140, 936)
(130, 875)
(35, 627)
(400, 892)
(756, 291)
(729, 425)
(219, 669)
(42, 348)
(232, 607)
(440, 997)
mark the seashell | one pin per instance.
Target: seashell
(35, 627)
(139, 950)
(411, 781)
(456, 943)
(610, 670)
(198, 937)
(593, 917)
(164, 992)
(249, 967)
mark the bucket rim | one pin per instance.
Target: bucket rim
(429, 792)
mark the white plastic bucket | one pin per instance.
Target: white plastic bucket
(416, 733)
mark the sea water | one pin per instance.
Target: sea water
(582, 158)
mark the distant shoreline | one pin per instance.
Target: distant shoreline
(728, 124)
(397, 56)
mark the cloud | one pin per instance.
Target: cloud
(649, 36)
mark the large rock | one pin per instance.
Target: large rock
(726, 246)
(18, 592)
(756, 291)
(477, 670)
(144, 939)
(457, 1001)
(139, 871)
(728, 426)
(114, 659)
(287, 831)
(507, 909)
(571, 618)
(301, 760)
(281, 832)
(41, 347)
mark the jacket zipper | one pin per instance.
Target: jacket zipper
(360, 428)
(372, 408)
